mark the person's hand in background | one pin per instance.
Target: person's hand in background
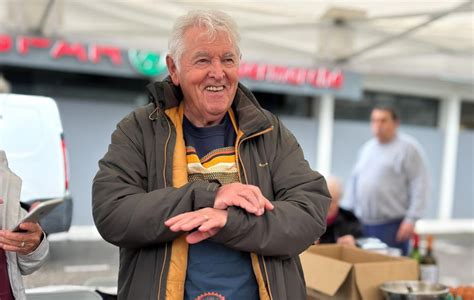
(405, 231)
(346, 240)
(22, 242)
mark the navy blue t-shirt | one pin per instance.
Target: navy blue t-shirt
(215, 271)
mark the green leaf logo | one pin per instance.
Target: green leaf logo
(147, 63)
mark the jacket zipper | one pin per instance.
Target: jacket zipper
(166, 149)
(266, 276)
(165, 185)
(246, 182)
(162, 270)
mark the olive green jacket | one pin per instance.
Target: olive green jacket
(142, 181)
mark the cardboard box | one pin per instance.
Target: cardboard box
(349, 273)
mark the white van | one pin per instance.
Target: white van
(31, 135)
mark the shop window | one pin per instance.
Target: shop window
(58, 84)
(467, 115)
(284, 104)
(413, 110)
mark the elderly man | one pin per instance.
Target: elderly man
(207, 194)
(21, 253)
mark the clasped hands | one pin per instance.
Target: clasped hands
(208, 221)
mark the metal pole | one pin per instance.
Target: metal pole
(44, 17)
(452, 111)
(325, 133)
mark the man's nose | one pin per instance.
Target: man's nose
(216, 72)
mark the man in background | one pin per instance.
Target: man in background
(388, 189)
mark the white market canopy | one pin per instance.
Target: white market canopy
(426, 39)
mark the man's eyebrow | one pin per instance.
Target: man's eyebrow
(229, 54)
(200, 54)
(206, 54)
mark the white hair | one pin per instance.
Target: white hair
(214, 22)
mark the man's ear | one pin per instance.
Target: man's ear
(172, 69)
(397, 123)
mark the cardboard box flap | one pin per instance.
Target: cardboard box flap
(368, 281)
(335, 272)
(357, 255)
(329, 250)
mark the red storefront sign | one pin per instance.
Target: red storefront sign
(319, 77)
(59, 49)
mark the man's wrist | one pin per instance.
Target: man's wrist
(411, 220)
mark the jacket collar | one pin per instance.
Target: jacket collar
(249, 114)
(164, 93)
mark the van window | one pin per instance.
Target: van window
(18, 127)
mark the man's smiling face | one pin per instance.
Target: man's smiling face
(207, 74)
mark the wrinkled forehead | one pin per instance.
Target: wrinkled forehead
(201, 35)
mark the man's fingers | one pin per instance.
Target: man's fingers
(243, 203)
(268, 205)
(246, 196)
(201, 235)
(196, 237)
(188, 222)
(177, 221)
(400, 236)
(263, 203)
(248, 201)
(405, 232)
(174, 220)
(208, 221)
(212, 223)
(186, 225)
(258, 196)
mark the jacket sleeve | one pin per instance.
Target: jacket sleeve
(301, 201)
(125, 213)
(31, 262)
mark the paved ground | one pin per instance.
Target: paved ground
(76, 262)
(455, 255)
(82, 261)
